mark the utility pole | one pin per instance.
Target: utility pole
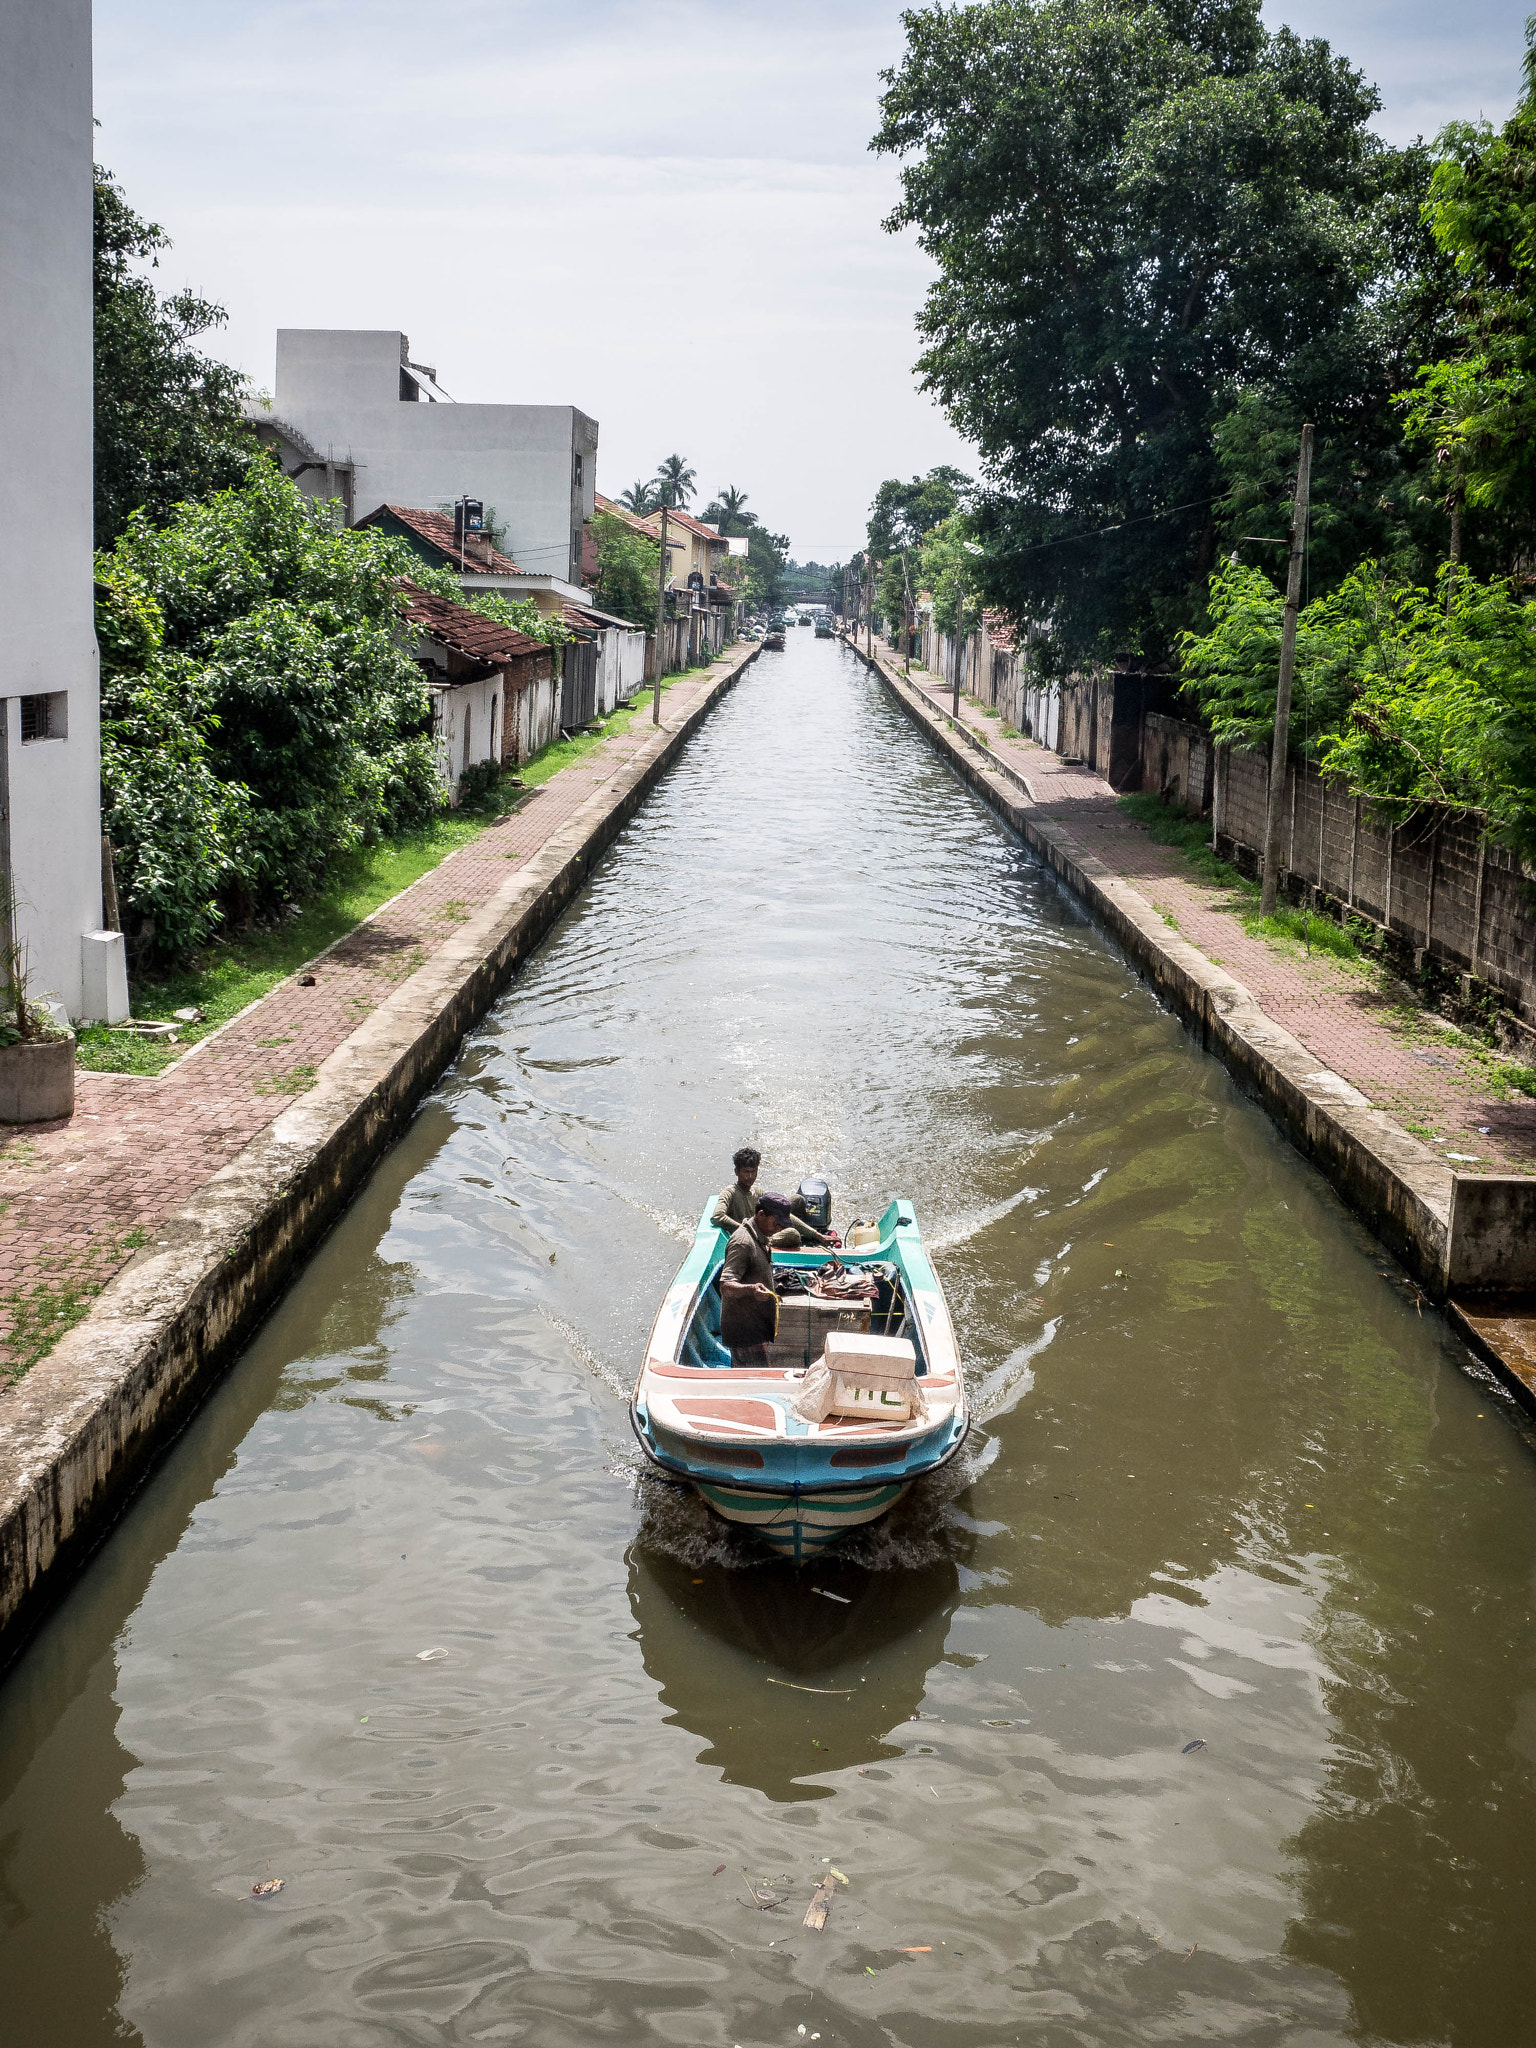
(910, 621)
(1279, 752)
(661, 605)
(869, 606)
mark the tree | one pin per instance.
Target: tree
(262, 715)
(1476, 405)
(674, 483)
(640, 499)
(767, 565)
(728, 511)
(628, 566)
(948, 572)
(903, 513)
(1138, 208)
(169, 424)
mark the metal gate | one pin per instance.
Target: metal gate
(578, 685)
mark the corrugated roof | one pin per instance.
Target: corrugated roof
(436, 529)
(467, 632)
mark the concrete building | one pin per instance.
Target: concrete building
(50, 753)
(354, 398)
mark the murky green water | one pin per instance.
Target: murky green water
(1230, 1488)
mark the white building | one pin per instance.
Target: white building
(354, 399)
(50, 785)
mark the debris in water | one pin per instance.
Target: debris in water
(1191, 1951)
(430, 1656)
(841, 1691)
(1198, 1743)
(763, 1899)
(925, 1950)
(833, 1871)
(842, 1598)
(717, 1869)
(266, 1888)
(821, 1898)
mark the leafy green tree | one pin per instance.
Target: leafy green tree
(766, 581)
(262, 715)
(948, 567)
(728, 511)
(640, 499)
(169, 424)
(1138, 208)
(1476, 404)
(628, 569)
(674, 484)
(903, 513)
(1409, 695)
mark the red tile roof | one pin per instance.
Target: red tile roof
(1001, 630)
(436, 529)
(467, 632)
(602, 504)
(651, 523)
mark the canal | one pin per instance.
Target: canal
(1198, 1704)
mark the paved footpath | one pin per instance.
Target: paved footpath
(1349, 1013)
(77, 1198)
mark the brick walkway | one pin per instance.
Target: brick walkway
(1358, 1022)
(76, 1199)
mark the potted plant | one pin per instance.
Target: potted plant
(37, 1055)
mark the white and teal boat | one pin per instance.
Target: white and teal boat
(738, 1436)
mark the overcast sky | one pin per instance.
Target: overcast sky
(662, 211)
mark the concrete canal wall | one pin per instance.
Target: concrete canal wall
(85, 1425)
(1451, 1231)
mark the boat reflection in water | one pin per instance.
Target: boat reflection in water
(785, 1684)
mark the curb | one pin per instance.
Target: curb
(85, 1426)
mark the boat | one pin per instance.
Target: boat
(774, 641)
(761, 1445)
(804, 619)
(823, 629)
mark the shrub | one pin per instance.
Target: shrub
(261, 712)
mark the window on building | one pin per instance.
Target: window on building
(46, 717)
(577, 470)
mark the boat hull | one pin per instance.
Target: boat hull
(734, 1434)
(801, 1526)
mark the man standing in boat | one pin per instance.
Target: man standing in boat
(749, 1308)
(738, 1202)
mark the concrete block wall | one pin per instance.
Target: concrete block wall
(1433, 881)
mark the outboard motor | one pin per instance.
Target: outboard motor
(813, 1198)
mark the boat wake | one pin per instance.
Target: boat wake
(595, 1363)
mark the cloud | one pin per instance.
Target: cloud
(663, 211)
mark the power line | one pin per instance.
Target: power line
(1098, 532)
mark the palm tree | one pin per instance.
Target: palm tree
(640, 499)
(675, 482)
(728, 513)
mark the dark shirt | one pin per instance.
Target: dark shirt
(747, 1257)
